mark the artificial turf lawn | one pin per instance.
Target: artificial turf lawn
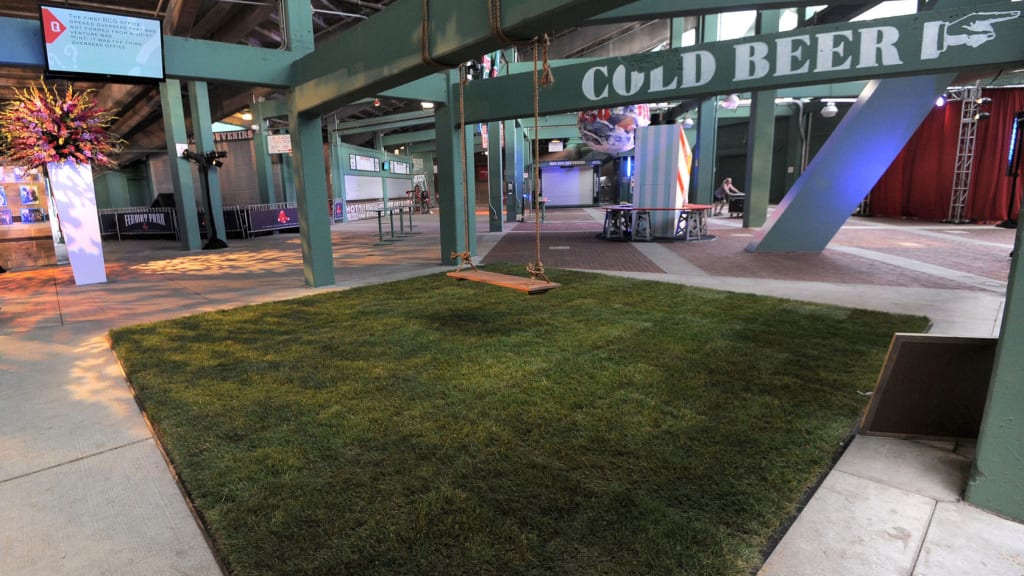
(430, 426)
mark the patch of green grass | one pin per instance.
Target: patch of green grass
(429, 426)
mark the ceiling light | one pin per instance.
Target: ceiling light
(247, 116)
(427, 105)
(940, 101)
(829, 110)
(687, 122)
(731, 102)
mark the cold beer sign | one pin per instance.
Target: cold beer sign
(929, 42)
(870, 49)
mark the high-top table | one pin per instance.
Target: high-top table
(629, 222)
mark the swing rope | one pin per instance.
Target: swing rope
(465, 256)
(536, 269)
(544, 78)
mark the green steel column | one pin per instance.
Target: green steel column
(997, 480)
(378, 145)
(513, 170)
(299, 23)
(529, 182)
(334, 157)
(707, 127)
(181, 171)
(455, 235)
(494, 181)
(676, 29)
(794, 146)
(288, 178)
(264, 163)
(202, 130)
(311, 197)
(760, 140)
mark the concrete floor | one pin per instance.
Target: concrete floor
(84, 489)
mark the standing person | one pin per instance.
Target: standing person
(722, 194)
(424, 198)
(542, 201)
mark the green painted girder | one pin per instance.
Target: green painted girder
(385, 51)
(662, 9)
(936, 41)
(219, 61)
(391, 122)
(433, 88)
(551, 121)
(410, 137)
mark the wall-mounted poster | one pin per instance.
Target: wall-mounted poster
(5, 217)
(28, 194)
(31, 215)
(3, 196)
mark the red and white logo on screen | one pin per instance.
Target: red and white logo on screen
(52, 27)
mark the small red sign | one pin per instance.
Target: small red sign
(52, 27)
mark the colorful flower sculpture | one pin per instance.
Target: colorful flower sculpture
(41, 126)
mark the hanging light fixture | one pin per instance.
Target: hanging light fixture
(687, 122)
(731, 102)
(829, 110)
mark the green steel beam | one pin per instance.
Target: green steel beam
(662, 9)
(705, 159)
(938, 41)
(457, 31)
(386, 122)
(453, 173)
(997, 479)
(186, 58)
(410, 137)
(513, 170)
(844, 170)
(429, 89)
(298, 17)
(494, 179)
(552, 120)
(274, 108)
(191, 59)
(264, 164)
(310, 178)
(760, 140)
(202, 133)
(558, 132)
(181, 171)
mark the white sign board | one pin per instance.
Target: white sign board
(279, 144)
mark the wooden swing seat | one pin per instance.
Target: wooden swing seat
(528, 285)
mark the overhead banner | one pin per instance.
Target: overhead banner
(929, 42)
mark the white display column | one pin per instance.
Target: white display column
(72, 188)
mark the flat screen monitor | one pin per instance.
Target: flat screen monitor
(1013, 159)
(101, 46)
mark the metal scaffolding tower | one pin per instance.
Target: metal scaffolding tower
(969, 116)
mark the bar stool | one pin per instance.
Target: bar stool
(642, 230)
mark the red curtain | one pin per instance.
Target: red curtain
(919, 182)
